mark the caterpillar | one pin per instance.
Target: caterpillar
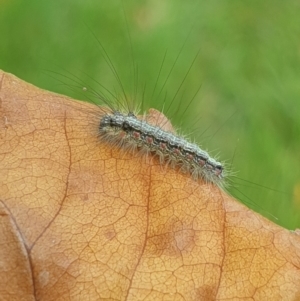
(132, 133)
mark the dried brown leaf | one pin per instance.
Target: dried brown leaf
(81, 220)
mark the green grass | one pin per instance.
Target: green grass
(248, 68)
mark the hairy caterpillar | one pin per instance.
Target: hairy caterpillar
(129, 132)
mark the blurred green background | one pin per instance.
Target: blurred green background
(248, 71)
